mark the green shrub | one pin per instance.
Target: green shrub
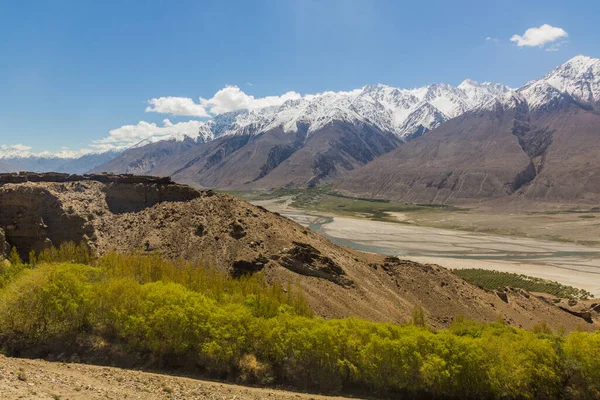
(494, 280)
(168, 314)
(46, 304)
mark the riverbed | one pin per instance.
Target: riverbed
(571, 264)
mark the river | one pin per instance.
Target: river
(567, 263)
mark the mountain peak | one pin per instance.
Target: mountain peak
(468, 82)
(578, 78)
(582, 59)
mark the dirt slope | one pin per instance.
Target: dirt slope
(266, 160)
(37, 379)
(541, 156)
(233, 235)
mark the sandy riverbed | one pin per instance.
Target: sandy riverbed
(567, 263)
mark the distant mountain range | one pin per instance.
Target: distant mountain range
(437, 143)
(304, 142)
(71, 165)
(538, 143)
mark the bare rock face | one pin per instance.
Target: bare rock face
(128, 197)
(304, 259)
(35, 219)
(243, 267)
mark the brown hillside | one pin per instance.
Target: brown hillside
(546, 156)
(266, 160)
(155, 216)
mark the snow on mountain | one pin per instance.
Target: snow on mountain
(68, 162)
(406, 113)
(576, 80)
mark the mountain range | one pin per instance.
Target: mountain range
(10, 162)
(304, 142)
(435, 144)
(538, 143)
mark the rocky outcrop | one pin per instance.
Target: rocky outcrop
(243, 267)
(124, 193)
(585, 315)
(304, 259)
(501, 295)
(124, 197)
(56, 177)
(34, 219)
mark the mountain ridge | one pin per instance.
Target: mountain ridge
(324, 137)
(532, 144)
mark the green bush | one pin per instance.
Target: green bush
(494, 280)
(171, 314)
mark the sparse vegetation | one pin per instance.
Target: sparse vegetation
(180, 315)
(323, 199)
(493, 280)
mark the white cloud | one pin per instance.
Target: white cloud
(129, 135)
(182, 106)
(540, 36)
(491, 39)
(232, 98)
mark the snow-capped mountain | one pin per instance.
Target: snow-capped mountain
(13, 161)
(405, 113)
(537, 143)
(315, 138)
(303, 141)
(577, 80)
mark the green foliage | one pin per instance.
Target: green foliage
(493, 280)
(67, 252)
(323, 199)
(46, 304)
(179, 314)
(13, 257)
(418, 316)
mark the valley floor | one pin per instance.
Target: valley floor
(464, 239)
(37, 379)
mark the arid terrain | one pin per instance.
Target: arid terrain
(39, 379)
(176, 221)
(517, 242)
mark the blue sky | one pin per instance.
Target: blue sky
(71, 71)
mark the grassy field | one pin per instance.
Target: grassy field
(323, 200)
(492, 280)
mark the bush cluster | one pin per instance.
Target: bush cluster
(180, 314)
(493, 280)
